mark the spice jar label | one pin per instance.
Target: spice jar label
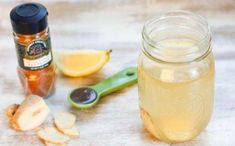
(35, 55)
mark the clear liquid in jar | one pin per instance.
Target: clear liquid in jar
(176, 103)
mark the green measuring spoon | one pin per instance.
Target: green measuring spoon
(87, 97)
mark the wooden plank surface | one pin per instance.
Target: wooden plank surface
(117, 24)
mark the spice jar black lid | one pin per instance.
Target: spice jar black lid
(29, 18)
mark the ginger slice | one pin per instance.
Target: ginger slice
(54, 144)
(64, 120)
(70, 132)
(50, 134)
(31, 113)
(11, 110)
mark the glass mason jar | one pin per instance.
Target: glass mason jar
(176, 76)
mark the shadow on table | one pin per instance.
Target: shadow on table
(103, 107)
(76, 82)
(201, 140)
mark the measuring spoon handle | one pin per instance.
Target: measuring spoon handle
(116, 82)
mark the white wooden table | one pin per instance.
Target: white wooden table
(116, 24)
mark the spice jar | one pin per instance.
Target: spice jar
(36, 69)
(176, 76)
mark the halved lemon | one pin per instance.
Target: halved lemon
(79, 63)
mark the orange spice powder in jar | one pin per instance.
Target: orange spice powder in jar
(32, 39)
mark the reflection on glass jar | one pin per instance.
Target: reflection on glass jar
(176, 76)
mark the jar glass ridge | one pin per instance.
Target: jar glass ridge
(180, 24)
